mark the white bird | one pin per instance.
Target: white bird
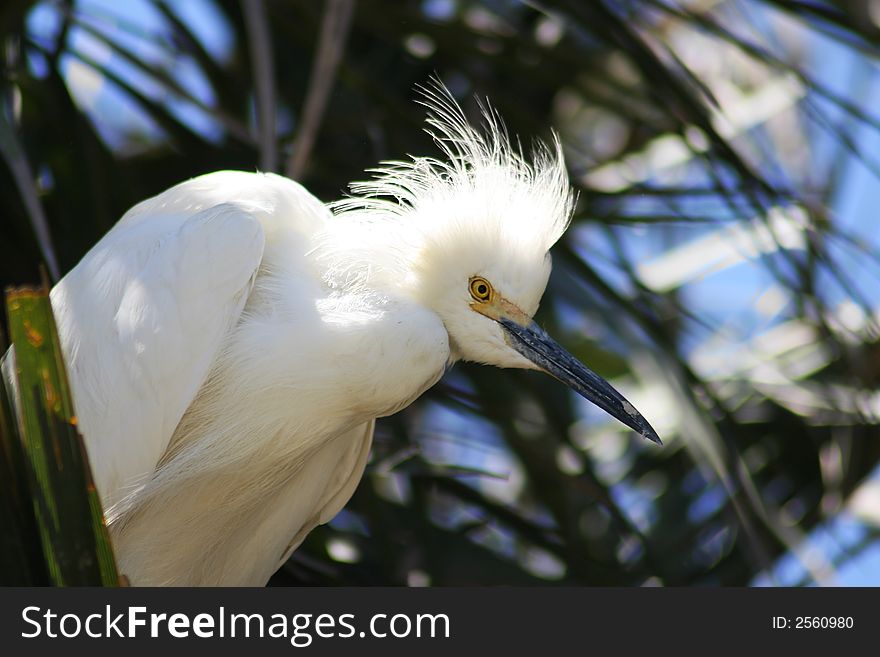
(231, 341)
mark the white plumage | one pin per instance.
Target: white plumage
(231, 341)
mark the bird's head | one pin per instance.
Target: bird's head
(479, 226)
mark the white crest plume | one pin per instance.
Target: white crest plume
(484, 191)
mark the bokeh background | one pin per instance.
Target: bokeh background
(722, 268)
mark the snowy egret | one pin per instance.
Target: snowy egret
(231, 341)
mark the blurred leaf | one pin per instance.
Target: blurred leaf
(20, 548)
(75, 541)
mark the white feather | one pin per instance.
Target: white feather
(230, 342)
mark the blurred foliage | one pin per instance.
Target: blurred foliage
(54, 531)
(760, 447)
(20, 546)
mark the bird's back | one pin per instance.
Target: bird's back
(226, 390)
(142, 315)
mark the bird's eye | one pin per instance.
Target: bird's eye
(481, 289)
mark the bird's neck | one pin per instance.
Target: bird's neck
(366, 256)
(358, 252)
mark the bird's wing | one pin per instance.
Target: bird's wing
(345, 457)
(141, 319)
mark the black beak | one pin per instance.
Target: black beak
(534, 343)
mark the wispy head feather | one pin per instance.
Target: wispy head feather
(530, 202)
(482, 203)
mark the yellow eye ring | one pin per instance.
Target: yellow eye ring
(480, 288)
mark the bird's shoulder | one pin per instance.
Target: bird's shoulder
(141, 318)
(275, 201)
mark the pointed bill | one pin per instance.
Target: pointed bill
(535, 344)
